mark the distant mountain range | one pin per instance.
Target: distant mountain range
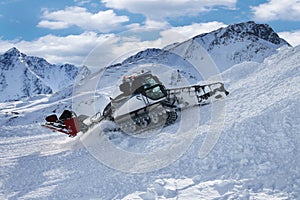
(25, 76)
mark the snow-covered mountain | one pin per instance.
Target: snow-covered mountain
(25, 76)
(227, 46)
(236, 43)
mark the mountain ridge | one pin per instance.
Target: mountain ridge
(24, 76)
(237, 43)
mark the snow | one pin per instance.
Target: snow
(256, 156)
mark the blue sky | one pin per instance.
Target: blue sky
(66, 31)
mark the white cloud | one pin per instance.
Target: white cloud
(103, 21)
(155, 24)
(193, 29)
(53, 24)
(75, 49)
(82, 2)
(293, 38)
(277, 10)
(58, 50)
(158, 10)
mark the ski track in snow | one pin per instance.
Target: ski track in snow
(256, 157)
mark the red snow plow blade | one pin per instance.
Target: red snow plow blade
(67, 123)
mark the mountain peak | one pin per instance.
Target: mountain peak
(13, 51)
(249, 30)
(263, 31)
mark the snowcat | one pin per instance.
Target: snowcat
(142, 103)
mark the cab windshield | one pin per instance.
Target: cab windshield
(147, 85)
(153, 89)
(155, 92)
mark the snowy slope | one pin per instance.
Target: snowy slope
(26, 76)
(256, 156)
